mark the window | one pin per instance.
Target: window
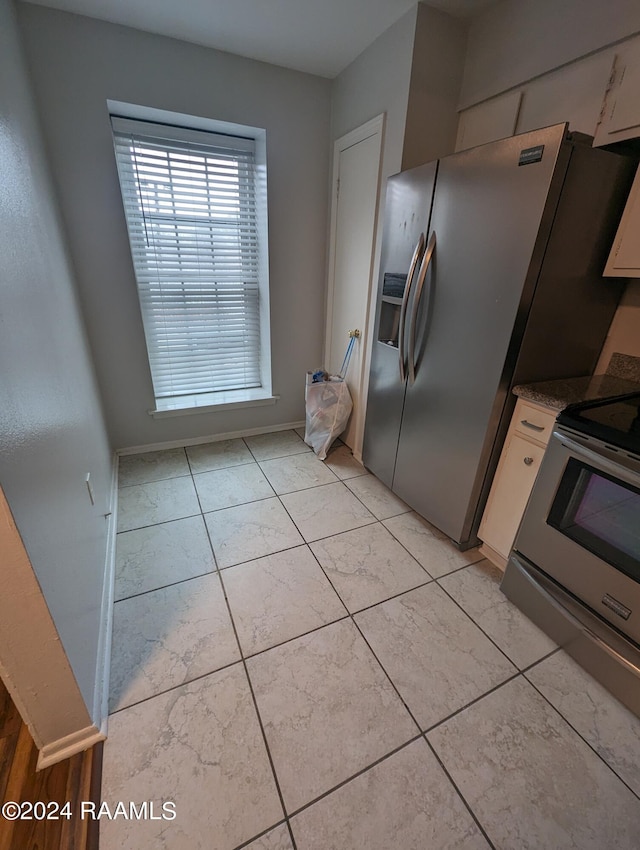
(192, 206)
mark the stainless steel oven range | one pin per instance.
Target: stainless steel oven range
(575, 566)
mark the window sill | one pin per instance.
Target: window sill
(211, 402)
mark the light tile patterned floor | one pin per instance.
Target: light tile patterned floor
(302, 663)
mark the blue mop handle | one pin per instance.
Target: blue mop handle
(347, 358)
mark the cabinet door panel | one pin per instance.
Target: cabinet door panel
(626, 114)
(624, 260)
(620, 118)
(510, 492)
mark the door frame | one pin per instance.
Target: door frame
(373, 127)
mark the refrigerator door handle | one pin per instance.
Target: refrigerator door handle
(417, 254)
(426, 261)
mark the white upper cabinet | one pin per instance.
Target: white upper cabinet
(494, 119)
(620, 116)
(624, 259)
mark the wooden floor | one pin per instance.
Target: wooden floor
(73, 780)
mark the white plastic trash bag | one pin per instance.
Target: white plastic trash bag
(328, 407)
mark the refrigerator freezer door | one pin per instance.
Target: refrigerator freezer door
(492, 212)
(406, 218)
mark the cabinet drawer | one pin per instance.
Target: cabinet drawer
(533, 422)
(510, 492)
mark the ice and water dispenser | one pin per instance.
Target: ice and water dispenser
(391, 304)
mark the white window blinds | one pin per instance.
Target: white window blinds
(190, 204)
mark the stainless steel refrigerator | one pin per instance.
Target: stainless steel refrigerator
(491, 275)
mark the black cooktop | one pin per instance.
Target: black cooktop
(615, 421)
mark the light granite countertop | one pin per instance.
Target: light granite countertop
(622, 376)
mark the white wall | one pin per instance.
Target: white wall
(51, 426)
(434, 88)
(412, 73)
(378, 81)
(559, 53)
(77, 64)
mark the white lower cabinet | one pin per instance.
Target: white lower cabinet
(528, 435)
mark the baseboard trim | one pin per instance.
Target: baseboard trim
(76, 742)
(100, 711)
(68, 746)
(213, 438)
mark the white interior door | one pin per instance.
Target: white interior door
(356, 180)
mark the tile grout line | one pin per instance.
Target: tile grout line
(474, 817)
(410, 510)
(301, 454)
(262, 834)
(478, 626)
(316, 540)
(352, 618)
(294, 845)
(366, 507)
(445, 539)
(206, 529)
(389, 598)
(582, 738)
(356, 775)
(289, 548)
(308, 545)
(525, 670)
(163, 522)
(303, 634)
(255, 705)
(349, 615)
(165, 586)
(362, 502)
(540, 660)
(243, 660)
(154, 480)
(306, 450)
(472, 703)
(422, 734)
(292, 492)
(174, 687)
(254, 459)
(260, 722)
(218, 568)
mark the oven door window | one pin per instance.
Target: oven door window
(601, 513)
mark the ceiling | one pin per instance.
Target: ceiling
(317, 36)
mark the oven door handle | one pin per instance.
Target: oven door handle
(562, 609)
(615, 468)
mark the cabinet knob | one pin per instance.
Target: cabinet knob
(528, 461)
